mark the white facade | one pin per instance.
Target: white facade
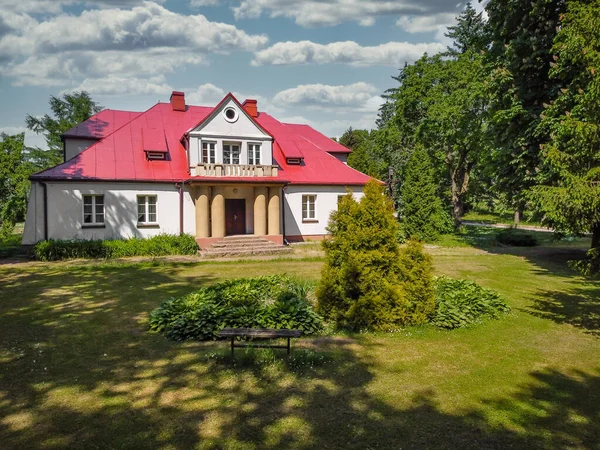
(219, 130)
(325, 203)
(65, 211)
(74, 146)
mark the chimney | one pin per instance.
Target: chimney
(178, 101)
(251, 107)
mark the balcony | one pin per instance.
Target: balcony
(234, 170)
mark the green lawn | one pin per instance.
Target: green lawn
(79, 369)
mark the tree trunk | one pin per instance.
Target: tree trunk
(458, 206)
(517, 217)
(596, 235)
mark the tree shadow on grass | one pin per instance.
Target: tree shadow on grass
(78, 369)
(580, 307)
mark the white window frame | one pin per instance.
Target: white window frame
(94, 203)
(309, 200)
(231, 145)
(254, 155)
(145, 204)
(211, 152)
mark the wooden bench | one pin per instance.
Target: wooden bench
(259, 333)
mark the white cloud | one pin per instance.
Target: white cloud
(113, 85)
(209, 95)
(349, 52)
(353, 97)
(425, 24)
(311, 13)
(334, 128)
(200, 3)
(31, 139)
(147, 40)
(56, 6)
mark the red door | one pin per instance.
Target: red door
(235, 216)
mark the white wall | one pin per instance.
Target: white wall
(74, 146)
(34, 220)
(266, 148)
(243, 131)
(326, 202)
(65, 211)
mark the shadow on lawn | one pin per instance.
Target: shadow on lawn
(79, 370)
(580, 307)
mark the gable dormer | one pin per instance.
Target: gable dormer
(230, 136)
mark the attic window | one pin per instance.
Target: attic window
(294, 161)
(155, 156)
(231, 114)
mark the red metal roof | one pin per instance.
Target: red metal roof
(120, 153)
(102, 124)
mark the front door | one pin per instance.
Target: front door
(235, 216)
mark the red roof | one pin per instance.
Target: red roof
(124, 136)
(102, 124)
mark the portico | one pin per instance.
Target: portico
(224, 209)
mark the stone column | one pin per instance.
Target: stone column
(218, 213)
(274, 210)
(202, 213)
(260, 211)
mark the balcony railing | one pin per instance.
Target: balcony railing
(235, 170)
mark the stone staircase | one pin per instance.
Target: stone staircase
(233, 246)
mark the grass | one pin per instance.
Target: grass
(79, 369)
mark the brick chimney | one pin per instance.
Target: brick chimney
(178, 101)
(251, 107)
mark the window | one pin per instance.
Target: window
(231, 154)
(93, 209)
(208, 152)
(294, 161)
(231, 114)
(308, 207)
(156, 156)
(146, 209)
(254, 154)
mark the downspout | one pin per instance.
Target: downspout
(285, 242)
(180, 188)
(45, 210)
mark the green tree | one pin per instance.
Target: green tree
(67, 112)
(569, 193)
(14, 181)
(365, 155)
(469, 33)
(420, 211)
(364, 281)
(522, 34)
(442, 105)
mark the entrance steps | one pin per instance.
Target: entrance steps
(243, 245)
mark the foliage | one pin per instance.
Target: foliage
(364, 156)
(14, 181)
(469, 33)
(160, 245)
(590, 265)
(522, 34)
(67, 112)
(460, 303)
(516, 237)
(441, 105)
(366, 281)
(262, 302)
(420, 209)
(569, 193)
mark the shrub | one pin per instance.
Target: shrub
(460, 303)
(516, 237)
(420, 211)
(365, 281)
(261, 302)
(160, 245)
(590, 265)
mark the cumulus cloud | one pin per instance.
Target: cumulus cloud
(114, 85)
(353, 97)
(56, 6)
(146, 40)
(349, 52)
(425, 24)
(312, 13)
(209, 95)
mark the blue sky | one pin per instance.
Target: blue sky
(324, 62)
